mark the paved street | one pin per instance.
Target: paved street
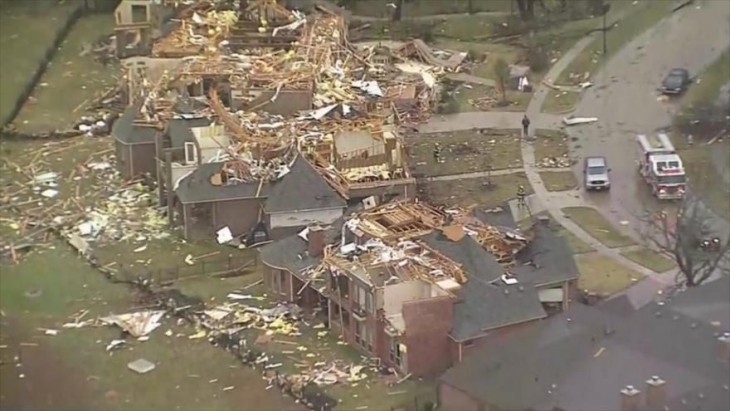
(624, 99)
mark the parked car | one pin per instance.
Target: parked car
(676, 81)
(595, 173)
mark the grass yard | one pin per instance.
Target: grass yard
(71, 80)
(101, 380)
(704, 175)
(551, 148)
(559, 180)
(468, 192)
(706, 87)
(603, 276)
(650, 259)
(419, 8)
(590, 220)
(465, 151)
(576, 244)
(644, 15)
(27, 30)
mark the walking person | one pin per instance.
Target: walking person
(525, 126)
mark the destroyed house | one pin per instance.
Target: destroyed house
(134, 142)
(404, 283)
(671, 355)
(138, 23)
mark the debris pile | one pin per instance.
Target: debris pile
(555, 162)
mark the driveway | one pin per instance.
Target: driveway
(624, 98)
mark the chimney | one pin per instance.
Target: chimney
(315, 240)
(655, 393)
(630, 398)
(725, 347)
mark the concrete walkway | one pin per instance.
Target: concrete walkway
(482, 174)
(488, 119)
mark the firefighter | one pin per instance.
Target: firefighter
(521, 196)
(437, 153)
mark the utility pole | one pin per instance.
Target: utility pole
(606, 8)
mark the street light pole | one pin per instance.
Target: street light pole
(604, 32)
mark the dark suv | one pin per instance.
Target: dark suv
(676, 81)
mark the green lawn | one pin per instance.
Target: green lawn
(706, 87)
(27, 30)
(417, 8)
(68, 285)
(470, 191)
(644, 15)
(559, 180)
(576, 244)
(549, 144)
(650, 259)
(603, 275)
(590, 220)
(71, 80)
(465, 151)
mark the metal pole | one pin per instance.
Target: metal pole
(604, 32)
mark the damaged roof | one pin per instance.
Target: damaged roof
(482, 305)
(180, 130)
(581, 359)
(302, 189)
(127, 132)
(546, 260)
(196, 187)
(290, 253)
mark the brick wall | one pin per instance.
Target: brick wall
(428, 323)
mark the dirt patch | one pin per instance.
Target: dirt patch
(464, 152)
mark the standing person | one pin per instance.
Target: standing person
(525, 125)
(437, 153)
(521, 196)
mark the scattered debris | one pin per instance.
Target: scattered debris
(136, 324)
(141, 366)
(572, 121)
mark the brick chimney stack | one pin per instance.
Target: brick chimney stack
(315, 240)
(655, 393)
(725, 347)
(630, 398)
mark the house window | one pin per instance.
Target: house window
(363, 336)
(139, 13)
(191, 155)
(282, 281)
(363, 299)
(396, 356)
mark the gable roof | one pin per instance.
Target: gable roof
(180, 130)
(581, 359)
(482, 305)
(547, 260)
(197, 188)
(290, 253)
(302, 189)
(127, 132)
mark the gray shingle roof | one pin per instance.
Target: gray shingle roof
(127, 132)
(180, 130)
(302, 189)
(197, 188)
(290, 253)
(547, 260)
(484, 306)
(581, 359)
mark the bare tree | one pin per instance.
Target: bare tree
(501, 74)
(689, 236)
